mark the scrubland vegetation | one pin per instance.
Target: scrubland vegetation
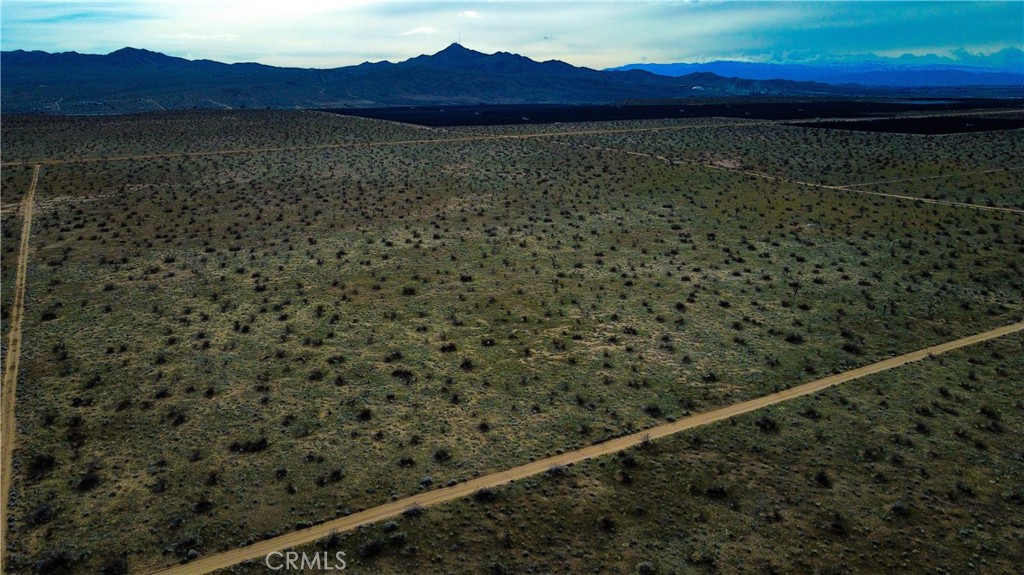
(27, 138)
(916, 470)
(221, 348)
(845, 158)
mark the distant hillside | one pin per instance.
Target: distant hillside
(134, 80)
(877, 74)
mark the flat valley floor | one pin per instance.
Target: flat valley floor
(234, 325)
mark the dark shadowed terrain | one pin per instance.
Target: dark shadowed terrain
(494, 115)
(930, 126)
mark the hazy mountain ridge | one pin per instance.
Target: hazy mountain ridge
(132, 79)
(866, 73)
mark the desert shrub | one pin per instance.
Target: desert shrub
(89, 480)
(60, 561)
(646, 568)
(766, 424)
(899, 509)
(990, 412)
(556, 470)
(370, 549)
(485, 495)
(404, 375)
(852, 348)
(41, 514)
(75, 433)
(716, 492)
(249, 445)
(837, 525)
(497, 569)
(336, 475)
(159, 486)
(115, 566)
(202, 506)
(39, 465)
(811, 413)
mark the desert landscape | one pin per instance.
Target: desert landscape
(232, 326)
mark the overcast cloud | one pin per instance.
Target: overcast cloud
(323, 34)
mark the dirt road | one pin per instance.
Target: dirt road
(259, 550)
(938, 177)
(870, 193)
(10, 376)
(843, 188)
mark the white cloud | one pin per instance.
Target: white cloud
(595, 33)
(228, 37)
(419, 30)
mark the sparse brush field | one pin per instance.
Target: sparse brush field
(220, 348)
(1003, 188)
(847, 158)
(917, 470)
(29, 138)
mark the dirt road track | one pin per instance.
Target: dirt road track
(870, 193)
(260, 549)
(845, 188)
(10, 376)
(938, 177)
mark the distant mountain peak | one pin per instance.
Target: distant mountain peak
(454, 56)
(128, 50)
(456, 51)
(456, 48)
(137, 56)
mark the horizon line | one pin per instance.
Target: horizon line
(816, 63)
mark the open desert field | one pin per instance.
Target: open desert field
(912, 471)
(241, 324)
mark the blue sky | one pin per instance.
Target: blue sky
(313, 33)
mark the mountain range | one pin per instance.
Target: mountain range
(865, 73)
(133, 79)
